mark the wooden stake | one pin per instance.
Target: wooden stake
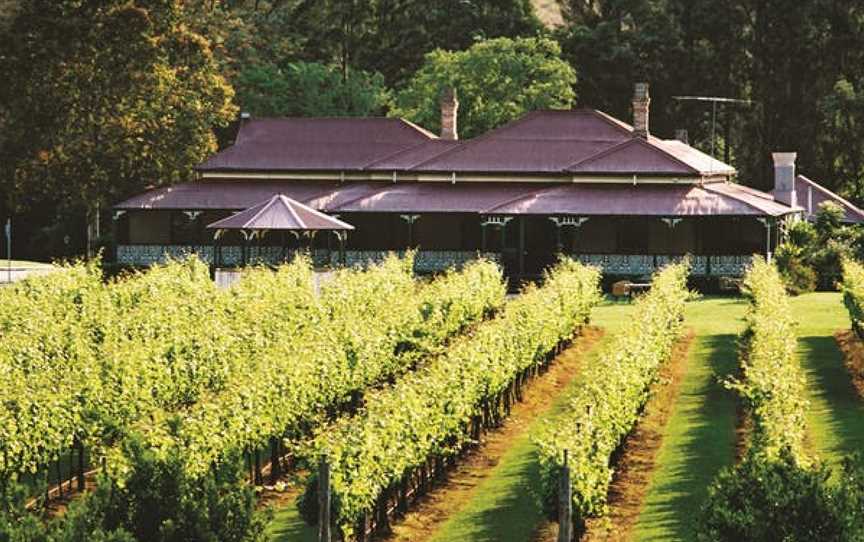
(565, 505)
(80, 448)
(324, 501)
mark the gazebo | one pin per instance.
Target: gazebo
(279, 213)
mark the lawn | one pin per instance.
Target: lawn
(836, 414)
(700, 437)
(21, 264)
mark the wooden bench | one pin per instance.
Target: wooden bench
(625, 288)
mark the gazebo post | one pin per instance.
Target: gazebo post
(522, 246)
(243, 248)
(260, 238)
(213, 255)
(342, 237)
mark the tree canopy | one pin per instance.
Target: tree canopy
(310, 89)
(497, 81)
(109, 97)
(102, 98)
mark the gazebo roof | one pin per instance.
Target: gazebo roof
(280, 213)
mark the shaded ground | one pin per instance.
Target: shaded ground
(836, 414)
(494, 496)
(699, 439)
(507, 451)
(639, 458)
(287, 525)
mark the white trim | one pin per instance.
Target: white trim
(784, 159)
(551, 177)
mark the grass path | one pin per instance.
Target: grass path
(700, 437)
(287, 525)
(836, 415)
(504, 507)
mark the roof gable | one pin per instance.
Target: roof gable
(280, 213)
(811, 194)
(315, 144)
(635, 156)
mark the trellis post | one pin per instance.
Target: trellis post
(324, 501)
(565, 504)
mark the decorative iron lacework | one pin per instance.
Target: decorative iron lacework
(644, 264)
(425, 261)
(430, 261)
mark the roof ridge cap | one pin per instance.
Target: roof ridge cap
(394, 154)
(482, 137)
(530, 191)
(598, 154)
(416, 127)
(709, 187)
(611, 120)
(634, 141)
(286, 201)
(263, 208)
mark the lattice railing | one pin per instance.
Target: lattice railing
(645, 264)
(425, 261)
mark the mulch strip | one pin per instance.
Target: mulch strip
(853, 357)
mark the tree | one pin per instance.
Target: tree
(310, 89)
(843, 121)
(109, 97)
(496, 80)
(783, 55)
(679, 46)
(777, 500)
(391, 37)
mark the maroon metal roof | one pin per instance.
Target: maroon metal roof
(230, 194)
(810, 195)
(280, 213)
(407, 158)
(641, 200)
(439, 197)
(711, 199)
(573, 142)
(634, 156)
(315, 144)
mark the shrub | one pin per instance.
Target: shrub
(798, 276)
(160, 501)
(765, 501)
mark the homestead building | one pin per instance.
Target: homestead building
(577, 182)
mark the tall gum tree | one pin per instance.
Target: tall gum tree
(101, 99)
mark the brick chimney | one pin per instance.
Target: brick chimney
(449, 114)
(682, 136)
(641, 104)
(784, 178)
